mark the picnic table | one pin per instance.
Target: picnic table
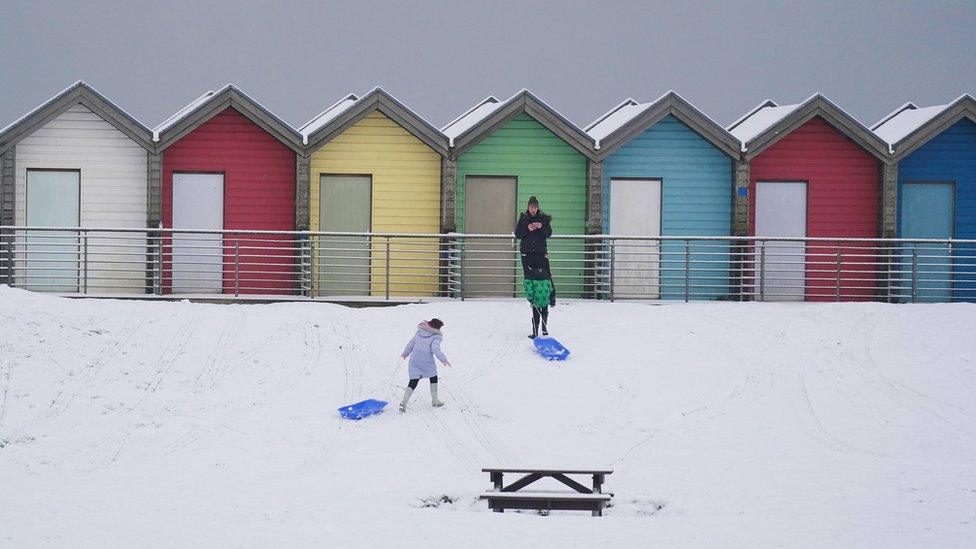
(513, 496)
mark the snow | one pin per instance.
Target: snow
(905, 122)
(470, 118)
(759, 121)
(326, 116)
(615, 118)
(130, 423)
(185, 111)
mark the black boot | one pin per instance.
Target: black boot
(545, 321)
(535, 324)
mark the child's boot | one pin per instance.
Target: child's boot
(433, 396)
(406, 397)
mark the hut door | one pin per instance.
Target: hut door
(489, 208)
(53, 200)
(928, 211)
(635, 210)
(781, 210)
(198, 259)
(345, 205)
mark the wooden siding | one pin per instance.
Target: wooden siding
(259, 190)
(545, 166)
(950, 156)
(405, 197)
(843, 194)
(696, 199)
(113, 188)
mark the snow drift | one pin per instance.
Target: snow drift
(177, 424)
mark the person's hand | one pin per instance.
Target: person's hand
(448, 364)
(532, 226)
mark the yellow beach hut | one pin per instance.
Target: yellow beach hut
(374, 167)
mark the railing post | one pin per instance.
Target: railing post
(762, 270)
(837, 274)
(237, 266)
(388, 268)
(914, 272)
(612, 261)
(687, 271)
(84, 247)
(158, 274)
(461, 276)
(308, 248)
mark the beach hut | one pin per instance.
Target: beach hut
(667, 170)
(505, 152)
(935, 153)
(77, 160)
(228, 163)
(375, 166)
(813, 171)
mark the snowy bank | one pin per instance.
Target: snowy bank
(128, 424)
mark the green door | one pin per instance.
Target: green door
(343, 261)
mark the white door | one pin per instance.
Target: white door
(198, 260)
(635, 210)
(781, 210)
(53, 200)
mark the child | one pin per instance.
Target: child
(422, 349)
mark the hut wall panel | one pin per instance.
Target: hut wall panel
(259, 192)
(951, 156)
(696, 199)
(843, 194)
(406, 183)
(113, 190)
(546, 166)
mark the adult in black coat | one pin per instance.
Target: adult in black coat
(533, 228)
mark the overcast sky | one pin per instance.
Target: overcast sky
(439, 57)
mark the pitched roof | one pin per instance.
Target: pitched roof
(326, 116)
(79, 93)
(630, 118)
(212, 103)
(485, 117)
(471, 117)
(759, 120)
(910, 126)
(328, 125)
(768, 122)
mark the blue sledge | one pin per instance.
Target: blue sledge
(550, 349)
(362, 409)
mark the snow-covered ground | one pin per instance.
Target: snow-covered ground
(135, 424)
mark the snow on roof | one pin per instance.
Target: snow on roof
(893, 114)
(759, 120)
(614, 119)
(79, 83)
(893, 129)
(180, 114)
(42, 105)
(326, 116)
(470, 117)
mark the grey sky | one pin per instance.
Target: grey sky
(439, 57)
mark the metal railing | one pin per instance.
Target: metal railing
(387, 266)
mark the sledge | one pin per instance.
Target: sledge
(363, 409)
(550, 349)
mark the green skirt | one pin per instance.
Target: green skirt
(538, 292)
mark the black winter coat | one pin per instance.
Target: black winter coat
(533, 242)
